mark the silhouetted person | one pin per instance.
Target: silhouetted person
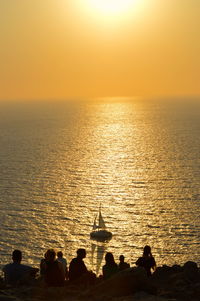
(147, 261)
(110, 268)
(43, 265)
(53, 270)
(16, 273)
(122, 264)
(63, 261)
(78, 272)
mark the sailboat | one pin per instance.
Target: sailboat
(99, 231)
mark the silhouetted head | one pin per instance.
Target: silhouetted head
(50, 255)
(121, 258)
(17, 256)
(60, 254)
(109, 258)
(81, 253)
(147, 251)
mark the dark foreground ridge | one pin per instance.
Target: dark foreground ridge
(175, 283)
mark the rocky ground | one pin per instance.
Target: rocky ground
(176, 283)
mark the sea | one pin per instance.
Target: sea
(137, 159)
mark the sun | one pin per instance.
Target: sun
(108, 15)
(111, 7)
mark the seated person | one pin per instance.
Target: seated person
(63, 261)
(110, 268)
(43, 265)
(147, 261)
(54, 275)
(78, 272)
(122, 264)
(16, 273)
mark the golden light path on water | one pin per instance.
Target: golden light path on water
(138, 160)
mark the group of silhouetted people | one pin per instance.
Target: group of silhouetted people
(54, 271)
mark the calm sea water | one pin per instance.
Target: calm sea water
(141, 160)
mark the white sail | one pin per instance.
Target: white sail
(101, 221)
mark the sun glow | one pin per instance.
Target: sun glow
(109, 12)
(111, 7)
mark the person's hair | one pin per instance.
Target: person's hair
(17, 255)
(109, 258)
(81, 252)
(50, 255)
(121, 257)
(147, 251)
(60, 254)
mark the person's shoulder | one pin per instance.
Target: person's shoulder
(59, 264)
(73, 261)
(17, 267)
(140, 260)
(104, 269)
(7, 266)
(64, 260)
(25, 267)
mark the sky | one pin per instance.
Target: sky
(61, 49)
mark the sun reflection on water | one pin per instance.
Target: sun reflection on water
(133, 159)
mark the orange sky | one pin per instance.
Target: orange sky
(72, 48)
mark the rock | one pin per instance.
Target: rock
(7, 298)
(177, 281)
(191, 271)
(162, 275)
(195, 294)
(176, 268)
(142, 296)
(124, 283)
(181, 283)
(190, 265)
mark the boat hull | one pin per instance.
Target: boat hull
(101, 235)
